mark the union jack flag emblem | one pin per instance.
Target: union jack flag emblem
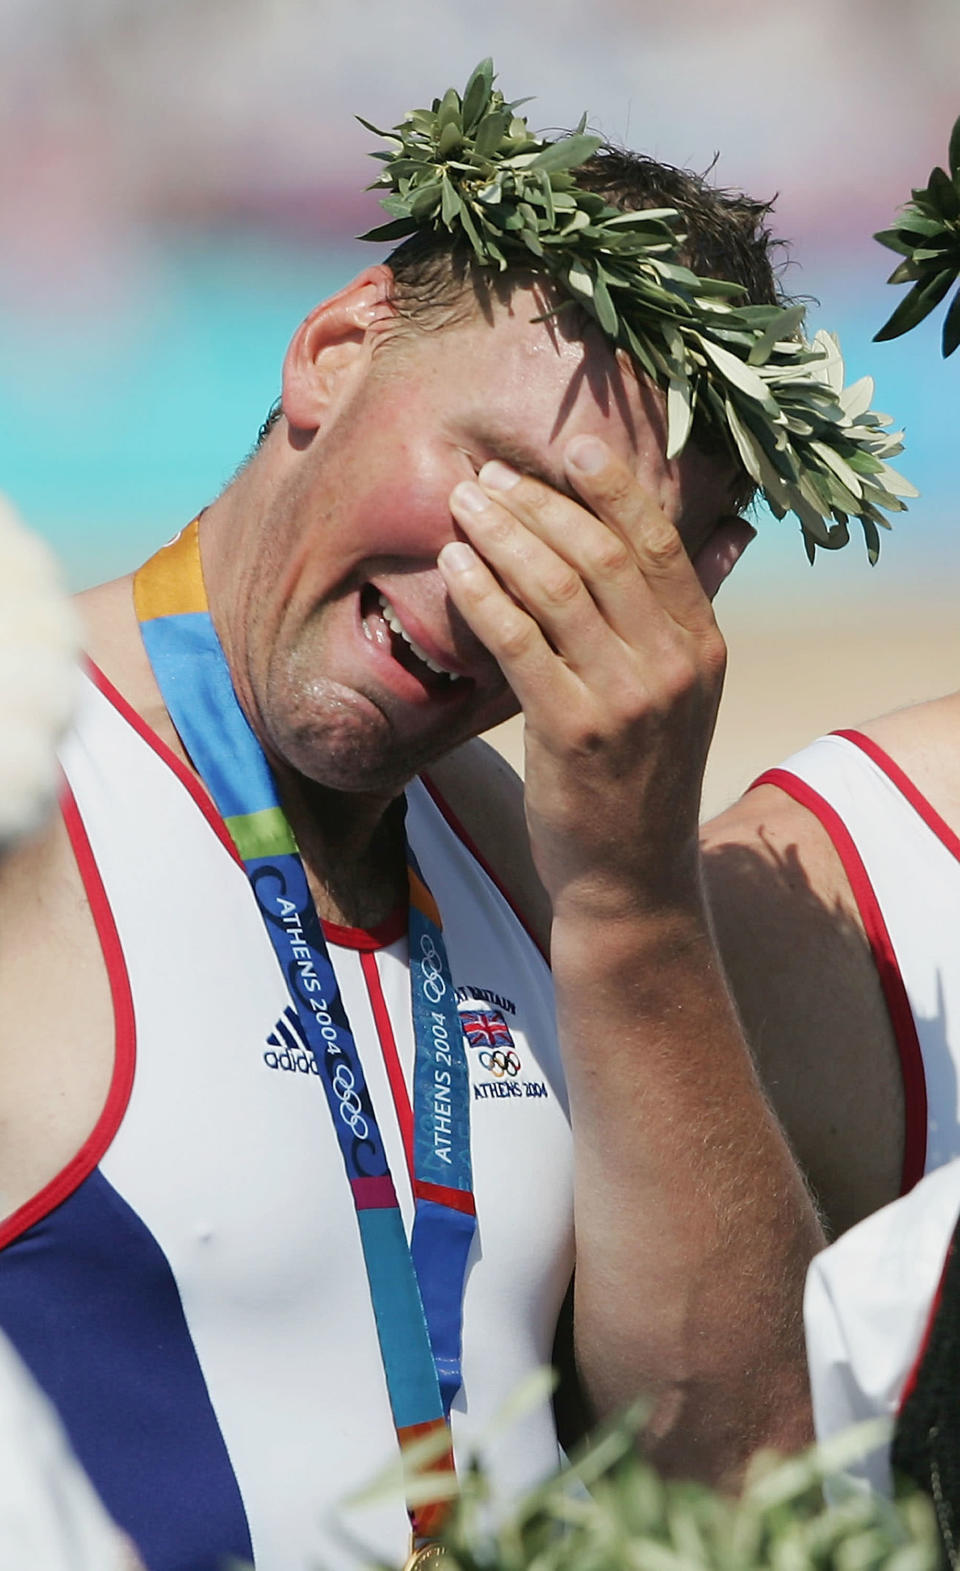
(486, 1028)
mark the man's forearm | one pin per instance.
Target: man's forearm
(693, 1225)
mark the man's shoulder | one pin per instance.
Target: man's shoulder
(922, 741)
(109, 626)
(486, 796)
(112, 641)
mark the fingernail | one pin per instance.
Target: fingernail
(588, 454)
(498, 476)
(469, 495)
(457, 557)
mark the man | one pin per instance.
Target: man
(464, 507)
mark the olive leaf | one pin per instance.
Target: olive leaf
(607, 1509)
(951, 326)
(912, 309)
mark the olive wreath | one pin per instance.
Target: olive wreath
(470, 165)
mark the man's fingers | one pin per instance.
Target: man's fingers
(610, 489)
(512, 636)
(608, 549)
(559, 594)
(721, 553)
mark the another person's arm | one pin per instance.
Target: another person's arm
(810, 999)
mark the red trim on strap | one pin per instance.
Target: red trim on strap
(911, 1379)
(367, 939)
(906, 788)
(187, 779)
(447, 812)
(386, 932)
(391, 1058)
(83, 1163)
(885, 960)
(456, 1199)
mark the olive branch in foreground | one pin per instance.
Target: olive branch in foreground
(608, 1510)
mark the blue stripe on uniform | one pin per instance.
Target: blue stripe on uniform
(88, 1299)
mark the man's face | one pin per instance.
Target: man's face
(345, 596)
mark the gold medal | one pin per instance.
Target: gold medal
(426, 1558)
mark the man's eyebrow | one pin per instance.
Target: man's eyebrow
(515, 452)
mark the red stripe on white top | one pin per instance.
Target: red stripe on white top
(83, 1163)
(377, 937)
(441, 803)
(188, 780)
(885, 960)
(948, 838)
(391, 1058)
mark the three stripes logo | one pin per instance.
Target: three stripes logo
(287, 1048)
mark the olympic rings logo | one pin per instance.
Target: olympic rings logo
(350, 1106)
(434, 985)
(500, 1063)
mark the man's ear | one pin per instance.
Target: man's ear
(329, 348)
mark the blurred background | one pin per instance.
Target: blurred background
(180, 180)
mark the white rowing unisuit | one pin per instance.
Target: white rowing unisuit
(869, 1296)
(191, 1291)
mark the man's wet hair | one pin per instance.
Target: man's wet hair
(438, 283)
(727, 237)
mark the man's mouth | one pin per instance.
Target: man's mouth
(381, 625)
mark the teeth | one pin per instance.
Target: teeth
(395, 625)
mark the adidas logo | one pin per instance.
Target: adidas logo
(287, 1048)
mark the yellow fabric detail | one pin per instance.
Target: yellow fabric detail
(421, 897)
(171, 582)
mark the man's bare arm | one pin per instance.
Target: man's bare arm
(693, 1225)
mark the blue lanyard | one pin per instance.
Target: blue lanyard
(416, 1289)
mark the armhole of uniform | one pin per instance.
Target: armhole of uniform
(446, 812)
(885, 960)
(82, 1164)
(937, 825)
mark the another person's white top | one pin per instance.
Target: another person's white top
(868, 1304)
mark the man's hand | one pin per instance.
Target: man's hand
(604, 631)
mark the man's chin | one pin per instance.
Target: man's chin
(354, 761)
(347, 741)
